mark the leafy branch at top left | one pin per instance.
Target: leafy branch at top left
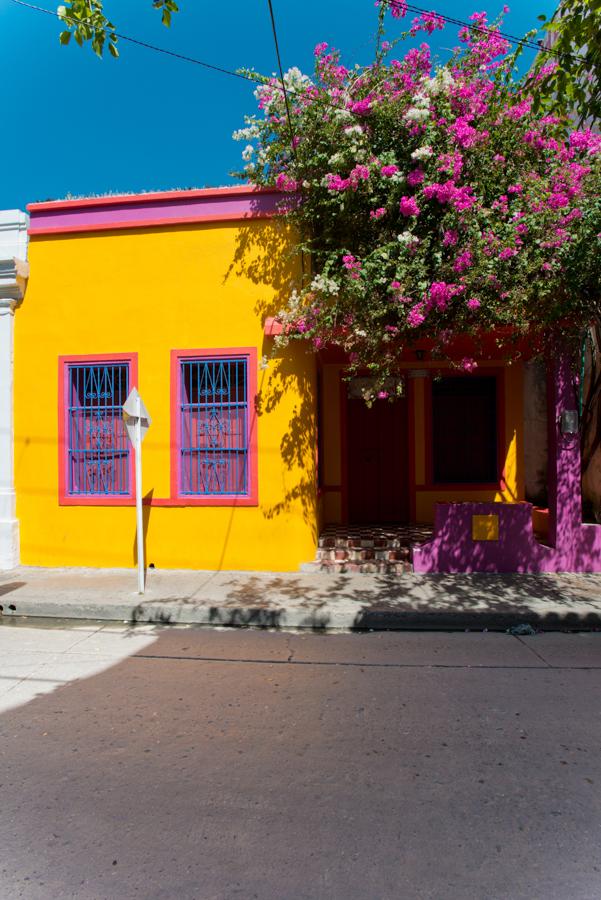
(86, 21)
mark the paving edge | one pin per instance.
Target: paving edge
(176, 612)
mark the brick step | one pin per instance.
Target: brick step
(353, 543)
(371, 567)
(364, 554)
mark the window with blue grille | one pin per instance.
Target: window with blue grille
(98, 461)
(213, 440)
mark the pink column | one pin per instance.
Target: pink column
(565, 502)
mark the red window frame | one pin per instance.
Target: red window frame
(252, 497)
(65, 498)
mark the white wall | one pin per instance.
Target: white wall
(13, 275)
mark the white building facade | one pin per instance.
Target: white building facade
(13, 279)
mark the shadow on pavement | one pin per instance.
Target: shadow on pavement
(190, 779)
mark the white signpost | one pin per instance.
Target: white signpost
(137, 422)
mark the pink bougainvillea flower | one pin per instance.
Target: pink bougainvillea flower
(361, 107)
(489, 191)
(468, 364)
(451, 163)
(284, 182)
(441, 292)
(463, 261)
(398, 8)
(558, 200)
(415, 177)
(408, 206)
(415, 316)
(428, 22)
(337, 183)
(352, 265)
(520, 109)
(450, 238)
(585, 140)
(358, 174)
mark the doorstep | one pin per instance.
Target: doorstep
(367, 549)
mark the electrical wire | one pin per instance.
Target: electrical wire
(398, 4)
(124, 37)
(258, 79)
(524, 42)
(277, 53)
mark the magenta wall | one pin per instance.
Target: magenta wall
(574, 547)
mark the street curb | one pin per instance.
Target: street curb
(325, 618)
(313, 602)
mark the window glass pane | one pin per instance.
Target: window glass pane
(464, 430)
(214, 426)
(98, 447)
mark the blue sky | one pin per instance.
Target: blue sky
(75, 124)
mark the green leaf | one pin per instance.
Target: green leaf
(113, 50)
(64, 37)
(166, 18)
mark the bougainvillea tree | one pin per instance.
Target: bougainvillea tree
(430, 200)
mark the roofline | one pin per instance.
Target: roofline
(117, 199)
(154, 210)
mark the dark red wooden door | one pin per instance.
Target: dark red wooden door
(377, 461)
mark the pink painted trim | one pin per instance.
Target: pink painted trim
(64, 498)
(227, 191)
(250, 499)
(153, 210)
(148, 223)
(272, 327)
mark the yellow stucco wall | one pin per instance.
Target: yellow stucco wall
(150, 291)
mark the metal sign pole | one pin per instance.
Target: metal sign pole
(137, 422)
(139, 514)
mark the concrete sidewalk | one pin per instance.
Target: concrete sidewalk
(303, 600)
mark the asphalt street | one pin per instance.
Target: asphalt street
(198, 764)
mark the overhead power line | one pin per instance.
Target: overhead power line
(258, 79)
(512, 38)
(124, 37)
(277, 53)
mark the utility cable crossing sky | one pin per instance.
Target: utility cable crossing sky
(247, 76)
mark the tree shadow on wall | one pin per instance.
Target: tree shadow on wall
(265, 256)
(294, 372)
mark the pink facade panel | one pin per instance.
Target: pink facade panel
(152, 210)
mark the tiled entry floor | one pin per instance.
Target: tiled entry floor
(384, 549)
